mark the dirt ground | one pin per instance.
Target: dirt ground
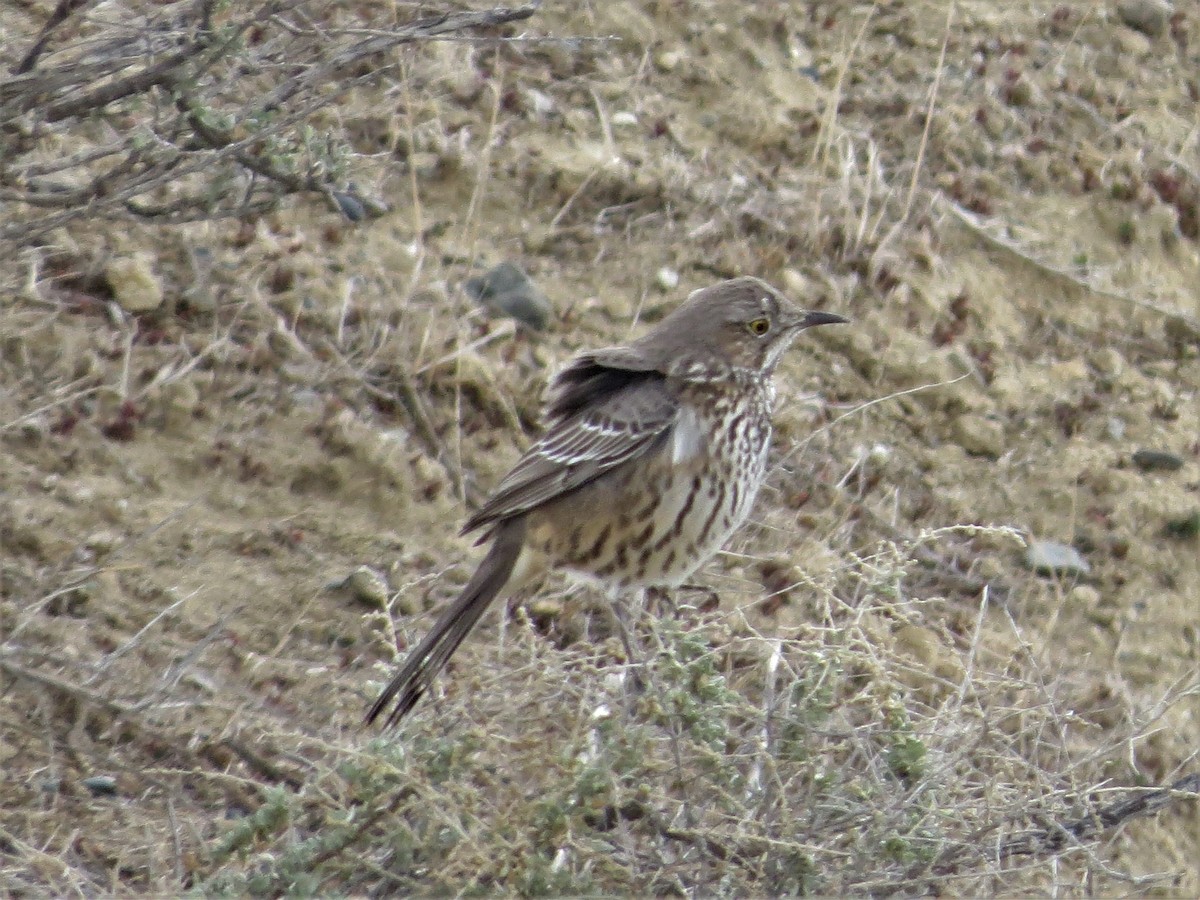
(1003, 197)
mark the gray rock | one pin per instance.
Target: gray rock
(506, 290)
(1183, 528)
(1052, 558)
(349, 205)
(1157, 461)
(1183, 330)
(101, 785)
(1150, 17)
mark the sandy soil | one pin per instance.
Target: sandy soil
(1007, 210)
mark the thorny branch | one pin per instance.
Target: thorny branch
(203, 109)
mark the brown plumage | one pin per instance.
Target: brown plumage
(652, 456)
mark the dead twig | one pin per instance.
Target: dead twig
(208, 148)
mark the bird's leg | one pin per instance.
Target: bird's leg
(633, 656)
(660, 602)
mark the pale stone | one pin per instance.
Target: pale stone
(134, 285)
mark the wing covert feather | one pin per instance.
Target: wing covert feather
(579, 448)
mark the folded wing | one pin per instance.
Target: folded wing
(599, 416)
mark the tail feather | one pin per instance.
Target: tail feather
(432, 654)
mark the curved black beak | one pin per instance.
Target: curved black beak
(819, 317)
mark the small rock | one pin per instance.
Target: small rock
(666, 278)
(979, 436)
(1108, 362)
(540, 102)
(1157, 461)
(508, 291)
(101, 543)
(668, 60)
(1150, 17)
(101, 785)
(1183, 330)
(1085, 597)
(134, 285)
(1052, 558)
(1184, 528)
(879, 454)
(348, 204)
(624, 119)
(366, 586)
(1021, 92)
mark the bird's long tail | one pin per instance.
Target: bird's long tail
(432, 654)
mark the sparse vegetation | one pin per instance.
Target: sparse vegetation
(195, 110)
(226, 384)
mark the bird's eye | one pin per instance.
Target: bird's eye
(758, 327)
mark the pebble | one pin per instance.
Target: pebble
(1022, 92)
(508, 291)
(134, 285)
(979, 436)
(355, 206)
(666, 278)
(349, 205)
(1052, 558)
(102, 543)
(1183, 528)
(101, 785)
(668, 60)
(366, 586)
(1150, 17)
(541, 103)
(1157, 461)
(1109, 363)
(1183, 330)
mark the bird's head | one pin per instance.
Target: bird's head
(739, 325)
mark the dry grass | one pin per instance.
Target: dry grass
(888, 746)
(191, 111)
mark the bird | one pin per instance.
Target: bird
(650, 458)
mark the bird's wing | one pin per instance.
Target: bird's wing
(594, 374)
(636, 413)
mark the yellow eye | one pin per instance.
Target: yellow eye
(758, 327)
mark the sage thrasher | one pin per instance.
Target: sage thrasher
(651, 458)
